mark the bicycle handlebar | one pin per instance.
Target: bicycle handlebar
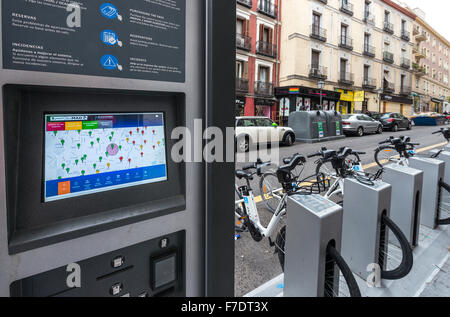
(314, 155)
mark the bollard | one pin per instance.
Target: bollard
(363, 240)
(406, 200)
(313, 222)
(433, 173)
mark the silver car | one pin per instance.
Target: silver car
(360, 124)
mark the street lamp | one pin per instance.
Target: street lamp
(321, 85)
(379, 91)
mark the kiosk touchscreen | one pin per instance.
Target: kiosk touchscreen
(91, 153)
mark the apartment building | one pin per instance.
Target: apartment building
(431, 67)
(360, 51)
(258, 25)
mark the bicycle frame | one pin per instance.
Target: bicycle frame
(252, 212)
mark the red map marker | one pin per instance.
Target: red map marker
(142, 154)
(121, 159)
(134, 142)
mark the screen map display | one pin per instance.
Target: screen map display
(90, 153)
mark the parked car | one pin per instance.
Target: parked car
(255, 130)
(360, 124)
(394, 121)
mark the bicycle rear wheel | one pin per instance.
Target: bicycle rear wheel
(384, 154)
(271, 191)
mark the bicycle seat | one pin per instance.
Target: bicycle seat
(241, 174)
(328, 154)
(288, 160)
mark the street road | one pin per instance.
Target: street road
(256, 263)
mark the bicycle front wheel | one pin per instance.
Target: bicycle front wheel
(384, 154)
(271, 191)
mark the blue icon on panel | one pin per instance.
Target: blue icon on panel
(109, 62)
(109, 37)
(109, 11)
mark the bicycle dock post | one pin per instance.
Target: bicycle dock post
(313, 222)
(445, 156)
(364, 240)
(406, 200)
(431, 195)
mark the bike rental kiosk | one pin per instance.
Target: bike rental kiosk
(91, 202)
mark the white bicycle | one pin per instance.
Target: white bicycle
(339, 165)
(248, 218)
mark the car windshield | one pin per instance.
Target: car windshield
(376, 116)
(386, 116)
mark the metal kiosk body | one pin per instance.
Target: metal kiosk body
(406, 200)
(313, 222)
(91, 201)
(433, 173)
(362, 242)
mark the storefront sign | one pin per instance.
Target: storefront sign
(359, 96)
(346, 95)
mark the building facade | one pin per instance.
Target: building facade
(431, 68)
(258, 25)
(360, 50)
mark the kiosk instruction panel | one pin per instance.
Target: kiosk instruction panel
(91, 153)
(140, 39)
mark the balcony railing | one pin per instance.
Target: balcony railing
(369, 83)
(369, 17)
(388, 27)
(346, 42)
(418, 70)
(405, 35)
(388, 87)
(267, 49)
(405, 90)
(268, 8)
(318, 33)
(420, 35)
(242, 85)
(318, 72)
(346, 7)
(388, 57)
(405, 63)
(346, 78)
(324, 1)
(369, 50)
(263, 88)
(247, 3)
(243, 42)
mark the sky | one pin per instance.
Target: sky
(437, 14)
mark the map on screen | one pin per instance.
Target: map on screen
(90, 153)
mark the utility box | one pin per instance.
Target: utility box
(363, 240)
(313, 223)
(433, 174)
(90, 94)
(406, 200)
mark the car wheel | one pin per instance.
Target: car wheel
(289, 140)
(395, 128)
(409, 126)
(360, 132)
(380, 129)
(243, 144)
